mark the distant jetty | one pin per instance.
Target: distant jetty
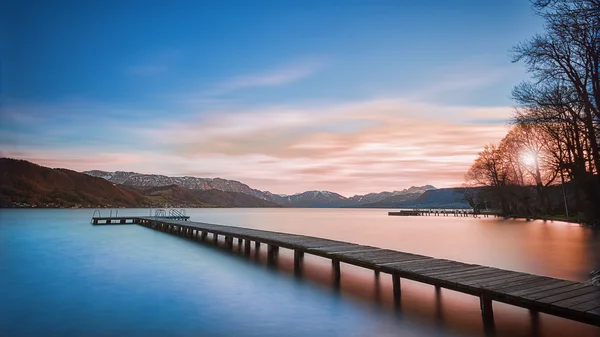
(442, 212)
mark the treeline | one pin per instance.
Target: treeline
(552, 146)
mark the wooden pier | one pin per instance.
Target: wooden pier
(571, 300)
(125, 220)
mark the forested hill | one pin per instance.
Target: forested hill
(24, 184)
(438, 198)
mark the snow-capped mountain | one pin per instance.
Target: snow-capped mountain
(304, 199)
(375, 197)
(332, 199)
(193, 183)
(309, 199)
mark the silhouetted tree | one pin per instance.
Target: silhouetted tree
(563, 101)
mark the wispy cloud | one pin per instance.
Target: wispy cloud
(272, 77)
(392, 144)
(349, 147)
(156, 64)
(460, 79)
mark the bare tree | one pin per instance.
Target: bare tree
(563, 101)
(568, 54)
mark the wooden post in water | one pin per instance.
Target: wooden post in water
(396, 286)
(337, 275)
(298, 257)
(486, 308)
(215, 238)
(272, 253)
(247, 247)
(203, 235)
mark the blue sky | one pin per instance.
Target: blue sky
(285, 96)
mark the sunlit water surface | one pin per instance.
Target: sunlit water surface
(61, 276)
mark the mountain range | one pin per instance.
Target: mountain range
(25, 184)
(304, 199)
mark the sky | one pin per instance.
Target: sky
(285, 96)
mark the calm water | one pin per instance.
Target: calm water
(60, 276)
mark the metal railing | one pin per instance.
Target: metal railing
(177, 214)
(94, 215)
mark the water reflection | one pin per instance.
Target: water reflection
(554, 249)
(120, 280)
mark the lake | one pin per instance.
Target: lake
(61, 276)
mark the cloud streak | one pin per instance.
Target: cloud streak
(274, 77)
(349, 147)
(389, 147)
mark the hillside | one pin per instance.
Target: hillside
(177, 196)
(439, 198)
(233, 199)
(312, 199)
(392, 201)
(24, 184)
(157, 180)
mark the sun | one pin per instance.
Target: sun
(528, 158)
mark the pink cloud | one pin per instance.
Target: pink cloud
(393, 144)
(292, 149)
